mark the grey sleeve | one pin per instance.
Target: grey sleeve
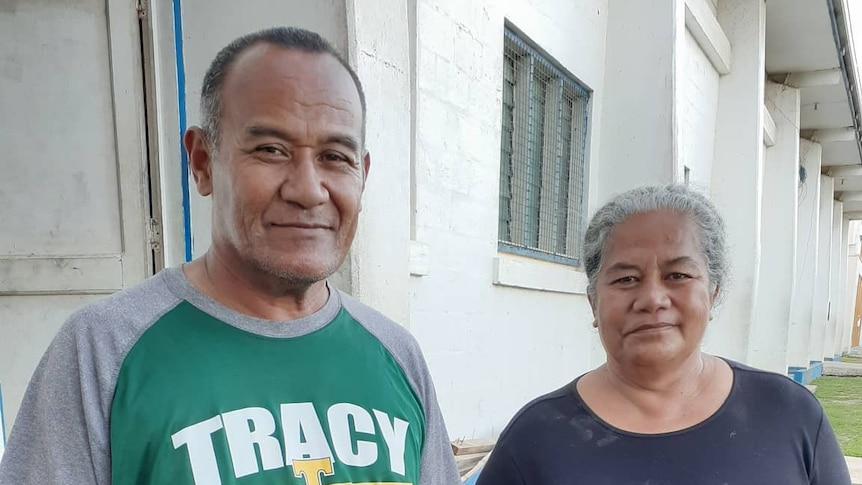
(58, 436)
(829, 465)
(61, 435)
(438, 462)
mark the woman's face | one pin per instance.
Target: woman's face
(653, 294)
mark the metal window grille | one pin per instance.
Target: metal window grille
(542, 156)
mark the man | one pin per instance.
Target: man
(244, 366)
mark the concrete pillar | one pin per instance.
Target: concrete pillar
(377, 34)
(820, 314)
(767, 342)
(852, 280)
(842, 325)
(737, 169)
(836, 288)
(638, 145)
(807, 241)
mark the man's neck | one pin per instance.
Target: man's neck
(253, 293)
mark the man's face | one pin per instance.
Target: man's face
(288, 172)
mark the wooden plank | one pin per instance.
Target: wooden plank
(475, 469)
(466, 462)
(466, 447)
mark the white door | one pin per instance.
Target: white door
(73, 183)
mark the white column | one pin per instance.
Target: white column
(377, 42)
(737, 169)
(842, 326)
(767, 342)
(820, 314)
(836, 288)
(852, 280)
(638, 143)
(807, 241)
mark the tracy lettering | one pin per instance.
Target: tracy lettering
(307, 451)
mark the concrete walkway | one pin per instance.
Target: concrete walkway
(845, 369)
(855, 466)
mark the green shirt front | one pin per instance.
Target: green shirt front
(199, 401)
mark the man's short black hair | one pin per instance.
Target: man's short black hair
(286, 37)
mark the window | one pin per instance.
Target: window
(542, 156)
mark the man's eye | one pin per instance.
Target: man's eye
(625, 280)
(334, 157)
(270, 150)
(678, 276)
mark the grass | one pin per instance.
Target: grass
(852, 360)
(841, 398)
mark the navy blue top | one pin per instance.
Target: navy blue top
(769, 431)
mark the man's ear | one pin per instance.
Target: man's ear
(200, 159)
(366, 167)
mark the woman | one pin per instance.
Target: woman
(660, 411)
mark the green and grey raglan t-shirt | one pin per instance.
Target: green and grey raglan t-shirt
(160, 384)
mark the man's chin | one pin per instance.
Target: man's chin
(294, 274)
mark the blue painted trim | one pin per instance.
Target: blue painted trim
(181, 105)
(804, 375)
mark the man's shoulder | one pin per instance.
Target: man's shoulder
(127, 311)
(396, 339)
(389, 332)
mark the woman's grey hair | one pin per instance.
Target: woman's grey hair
(676, 198)
(285, 37)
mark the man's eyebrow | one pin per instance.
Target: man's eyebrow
(258, 131)
(346, 141)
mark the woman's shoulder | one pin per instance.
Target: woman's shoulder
(771, 389)
(548, 410)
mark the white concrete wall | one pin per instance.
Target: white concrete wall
(639, 143)
(698, 106)
(491, 348)
(378, 39)
(768, 336)
(737, 171)
(807, 241)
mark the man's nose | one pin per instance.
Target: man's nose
(302, 183)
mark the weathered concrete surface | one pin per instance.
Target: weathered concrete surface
(855, 466)
(842, 369)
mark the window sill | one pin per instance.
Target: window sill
(420, 255)
(528, 273)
